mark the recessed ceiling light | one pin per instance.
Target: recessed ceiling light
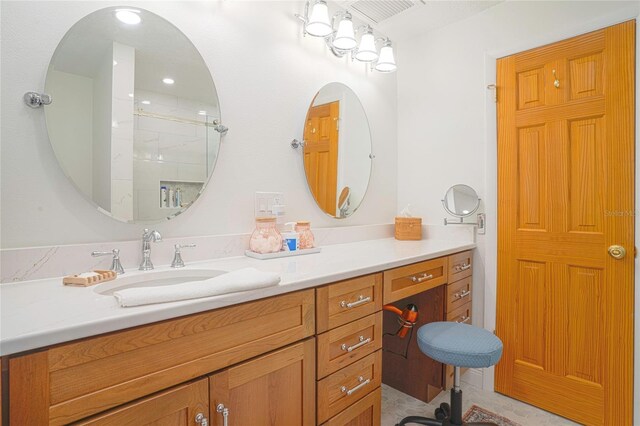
(146, 102)
(202, 112)
(168, 80)
(128, 16)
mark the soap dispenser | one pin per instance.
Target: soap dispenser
(290, 238)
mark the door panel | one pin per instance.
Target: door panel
(566, 193)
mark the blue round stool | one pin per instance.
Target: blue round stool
(460, 345)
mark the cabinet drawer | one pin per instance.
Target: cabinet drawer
(99, 373)
(343, 302)
(458, 294)
(344, 387)
(177, 406)
(460, 265)
(343, 345)
(412, 279)
(366, 412)
(461, 314)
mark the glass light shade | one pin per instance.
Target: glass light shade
(367, 49)
(318, 24)
(345, 38)
(386, 61)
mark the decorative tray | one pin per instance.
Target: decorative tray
(281, 253)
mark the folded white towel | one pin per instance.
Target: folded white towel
(231, 282)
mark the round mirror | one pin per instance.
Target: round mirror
(461, 201)
(337, 150)
(135, 114)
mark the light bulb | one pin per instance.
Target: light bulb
(367, 49)
(128, 16)
(168, 80)
(386, 61)
(345, 38)
(318, 24)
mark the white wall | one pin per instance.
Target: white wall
(266, 74)
(446, 117)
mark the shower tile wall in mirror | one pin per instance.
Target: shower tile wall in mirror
(337, 150)
(132, 118)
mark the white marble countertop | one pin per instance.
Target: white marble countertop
(35, 314)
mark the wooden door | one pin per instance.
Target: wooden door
(565, 195)
(321, 154)
(272, 390)
(179, 406)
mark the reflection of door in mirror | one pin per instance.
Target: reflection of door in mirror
(321, 154)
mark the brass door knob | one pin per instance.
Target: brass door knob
(617, 252)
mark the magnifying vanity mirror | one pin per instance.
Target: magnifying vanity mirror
(135, 118)
(337, 150)
(462, 201)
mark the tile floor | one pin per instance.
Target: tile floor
(397, 405)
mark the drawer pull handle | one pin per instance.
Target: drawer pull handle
(464, 319)
(463, 294)
(363, 383)
(362, 342)
(358, 302)
(421, 278)
(463, 267)
(220, 408)
(201, 419)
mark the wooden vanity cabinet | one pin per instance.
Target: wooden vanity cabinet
(458, 300)
(274, 389)
(349, 363)
(182, 405)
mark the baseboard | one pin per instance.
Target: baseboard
(473, 377)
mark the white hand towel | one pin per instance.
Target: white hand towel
(231, 282)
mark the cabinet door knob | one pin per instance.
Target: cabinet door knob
(220, 408)
(202, 420)
(423, 277)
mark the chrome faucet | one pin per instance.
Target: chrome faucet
(147, 237)
(115, 262)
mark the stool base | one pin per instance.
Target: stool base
(450, 416)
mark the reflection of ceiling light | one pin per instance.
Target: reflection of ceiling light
(168, 80)
(160, 158)
(128, 16)
(146, 102)
(131, 95)
(465, 211)
(202, 112)
(115, 63)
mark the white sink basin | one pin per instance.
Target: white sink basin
(155, 279)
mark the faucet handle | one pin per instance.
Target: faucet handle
(177, 257)
(115, 262)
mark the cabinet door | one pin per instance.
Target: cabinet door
(180, 406)
(274, 389)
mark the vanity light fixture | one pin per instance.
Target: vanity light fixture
(343, 41)
(386, 61)
(345, 38)
(317, 22)
(367, 51)
(128, 16)
(168, 80)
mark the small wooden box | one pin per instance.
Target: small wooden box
(408, 228)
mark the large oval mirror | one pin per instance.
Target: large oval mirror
(337, 150)
(134, 121)
(461, 201)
